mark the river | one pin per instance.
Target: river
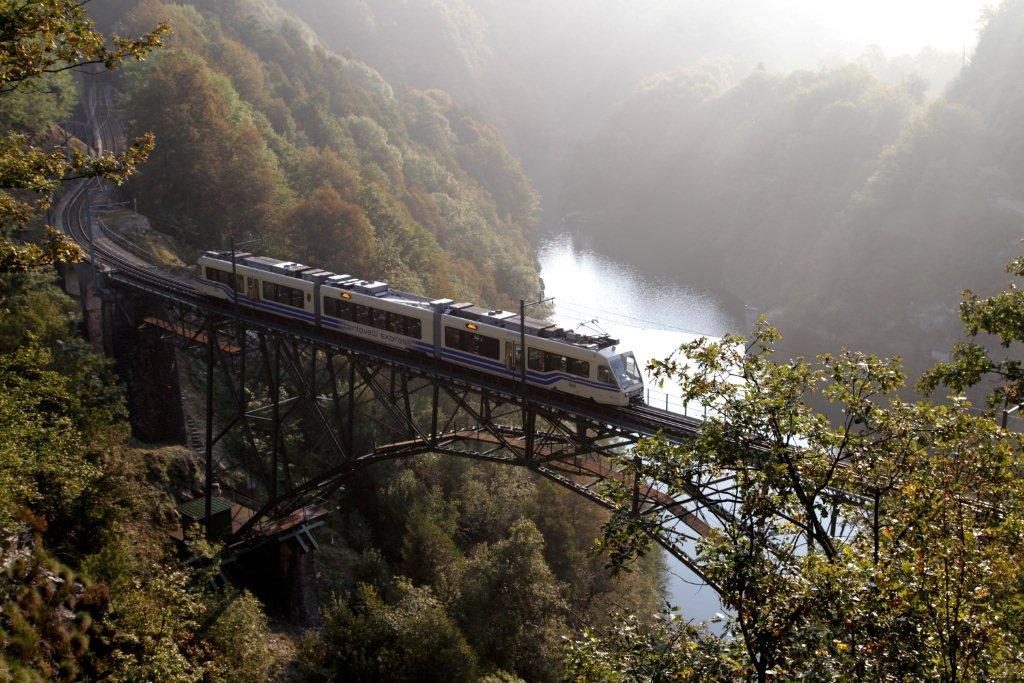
(650, 314)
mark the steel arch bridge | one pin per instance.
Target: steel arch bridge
(308, 408)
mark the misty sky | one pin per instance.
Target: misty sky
(897, 26)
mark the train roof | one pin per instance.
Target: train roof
(466, 310)
(534, 326)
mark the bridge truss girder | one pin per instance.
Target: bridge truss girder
(305, 414)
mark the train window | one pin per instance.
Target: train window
(489, 346)
(379, 318)
(224, 277)
(477, 344)
(336, 308)
(604, 375)
(626, 370)
(282, 294)
(554, 362)
(453, 337)
(413, 328)
(361, 314)
(578, 367)
(535, 359)
(396, 323)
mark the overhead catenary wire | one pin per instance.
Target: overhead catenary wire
(621, 318)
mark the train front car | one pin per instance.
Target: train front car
(626, 372)
(565, 361)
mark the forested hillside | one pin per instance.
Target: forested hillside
(850, 210)
(943, 208)
(263, 132)
(90, 588)
(454, 570)
(745, 175)
(549, 73)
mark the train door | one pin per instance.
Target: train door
(512, 358)
(252, 288)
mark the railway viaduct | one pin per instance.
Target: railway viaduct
(291, 411)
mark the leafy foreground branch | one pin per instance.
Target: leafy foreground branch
(38, 42)
(882, 545)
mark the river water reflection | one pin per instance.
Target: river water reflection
(652, 315)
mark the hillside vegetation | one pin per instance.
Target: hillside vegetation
(451, 569)
(843, 206)
(435, 568)
(264, 133)
(548, 73)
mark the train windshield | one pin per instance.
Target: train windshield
(626, 370)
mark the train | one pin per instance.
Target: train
(482, 339)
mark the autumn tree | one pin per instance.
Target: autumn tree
(882, 545)
(1001, 316)
(216, 176)
(510, 605)
(332, 233)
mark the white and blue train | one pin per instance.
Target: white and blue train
(484, 340)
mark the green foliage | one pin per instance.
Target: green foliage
(34, 107)
(40, 41)
(241, 637)
(510, 605)
(884, 546)
(49, 37)
(42, 453)
(469, 532)
(67, 473)
(32, 310)
(68, 479)
(411, 639)
(48, 618)
(1001, 316)
(60, 406)
(668, 649)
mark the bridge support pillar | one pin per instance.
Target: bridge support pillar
(149, 368)
(80, 282)
(147, 365)
(282, 574)
(304, 598)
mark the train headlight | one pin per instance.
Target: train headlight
(471, 326)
